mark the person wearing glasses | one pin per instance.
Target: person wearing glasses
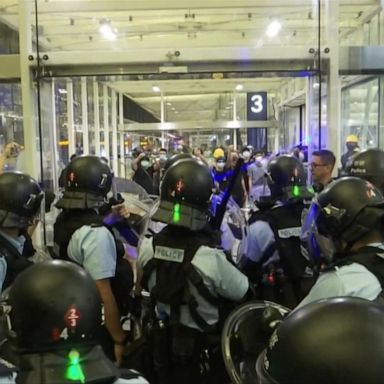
(323, 162)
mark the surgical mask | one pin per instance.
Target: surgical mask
(145, 164)
(163, 158)
(220, 165)
(246, 155)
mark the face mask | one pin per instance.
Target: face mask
(163, 158)
(220, 165)
(246, 155)
(145, 164)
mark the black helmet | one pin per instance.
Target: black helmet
(56, 312)
(177, 156)
(185, 194)
(20, 199)
(368, 165)
(338, 341)
(88, 180)
(348, 209)
(287, 178)
(51, 297)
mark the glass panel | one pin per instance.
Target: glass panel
(9, 35)
(11, 123)
(360, 113)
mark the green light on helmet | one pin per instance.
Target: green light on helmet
(74, 371)
(296, 191)
(176, 213)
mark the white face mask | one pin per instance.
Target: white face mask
(163, 158)
(220, 165)
(145, 164)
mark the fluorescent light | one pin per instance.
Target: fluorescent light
(62, 91)
(106, 30)
(273, 28)
(239, 87)
(156, 88)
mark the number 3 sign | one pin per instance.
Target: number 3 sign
(257, 106)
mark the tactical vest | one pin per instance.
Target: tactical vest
(285, 222)
(174, 249)
(369, 258)
(71, 220)
(16, 263)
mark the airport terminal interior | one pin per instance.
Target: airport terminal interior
(217, 80)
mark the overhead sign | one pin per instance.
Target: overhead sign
(257, 106)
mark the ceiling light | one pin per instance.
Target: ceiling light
(106, 30)
(239, 87)
(273, 28)
(156, 88)
(168, 103)
(62, 91)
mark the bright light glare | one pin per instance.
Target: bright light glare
(239, 87)
(273, 28)
(106, 30)
(156, 88)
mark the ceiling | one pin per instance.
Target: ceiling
(176, 25)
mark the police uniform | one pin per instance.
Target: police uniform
(94, 249)
(352, 279)
(218, 274)
(80, 236)
(274, 253)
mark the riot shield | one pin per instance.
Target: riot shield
(245, 334)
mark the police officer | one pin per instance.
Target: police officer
(55, 318)
(338, 341)
(347, 228)
(274, 259)
(186, 274)
(81, 236)
(20, 200)
(369, 165)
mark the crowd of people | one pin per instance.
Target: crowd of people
(313, 245)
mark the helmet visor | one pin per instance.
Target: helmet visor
(320, 247)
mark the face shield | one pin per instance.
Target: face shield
(319, 246)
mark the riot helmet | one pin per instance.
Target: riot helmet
(20, 199)
(338, 341)
(368, 165)
(344, 212)
(185, 194)
(176, 157)
(88, 180)
(54, 305)
(287, 178)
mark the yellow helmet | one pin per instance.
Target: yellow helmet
(218, 152)
(352, 139)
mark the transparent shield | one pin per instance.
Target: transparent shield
(245, 334)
